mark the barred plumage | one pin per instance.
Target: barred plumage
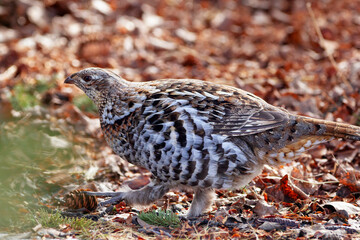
(197, 134)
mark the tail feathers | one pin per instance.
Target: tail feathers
(329, 128)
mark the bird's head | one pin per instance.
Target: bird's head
(96, 82)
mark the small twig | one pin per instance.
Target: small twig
(323, 45)
(24, 119)
(282, 221)
(297, 190)
(337, 165)
(305, 181)
(313, 182)
(348, 229)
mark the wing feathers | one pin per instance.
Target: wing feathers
(240, 125)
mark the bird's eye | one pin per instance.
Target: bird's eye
(87, 78)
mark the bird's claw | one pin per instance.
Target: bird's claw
(102, 194)
(113, 201)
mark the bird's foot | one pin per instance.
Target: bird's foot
(116, 197)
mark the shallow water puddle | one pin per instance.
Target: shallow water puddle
(35, 162)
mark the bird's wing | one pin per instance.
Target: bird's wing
(230, 111)
(245, 120)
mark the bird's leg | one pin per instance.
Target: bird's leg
(116, 197)
(203, 199)
(143, 196)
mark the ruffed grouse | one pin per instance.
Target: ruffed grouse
(196, 134)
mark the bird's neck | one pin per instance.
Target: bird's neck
(117, 105)
(106, 93)
(99, 99)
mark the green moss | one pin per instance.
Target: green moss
(161, 218)
(43, 85)
(27, 96)
(85, 104)
(54, 220)
(23, 97)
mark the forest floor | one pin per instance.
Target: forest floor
(302, 56)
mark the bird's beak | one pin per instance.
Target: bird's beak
(69, 80)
